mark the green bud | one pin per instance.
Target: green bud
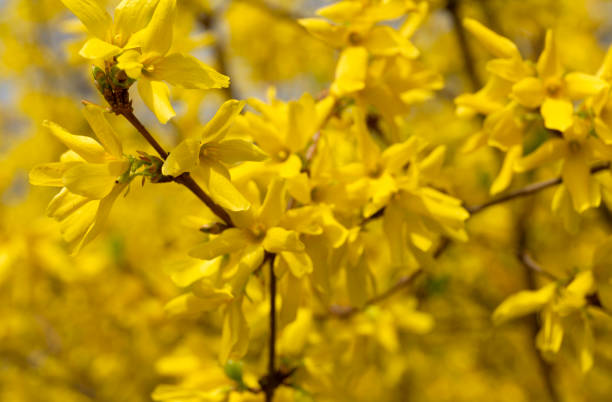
(233, 370)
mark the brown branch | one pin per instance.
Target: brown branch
(534, 326)
(528, 190)
(404, 282)
(275, 377)
(185, 179)
(210, 22)
(468, 58)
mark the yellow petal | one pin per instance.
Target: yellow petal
(49, 174)
(558, 113)
(580, 85)
(386, 41)
(505, 175)
(192, 305)
(563, 208)
(65, 203)
(549, 151)
(235, 337)
(299, 263)
(157, 36)
(131, 16)
(95, 116)
(341, 11)
(104, 208)
(92, 15)
(94, 180)
(185, 71)
(217, 127)
(274, 204)
(223, 192)
(183, 158)
(234, 151)
(228, 241)
(605, 71)
(529, 92)
(278, 239)
(350, 71)
(96, 48)
(88, 148)
(495, 44)
(549, 63)
(523, 303)
(323, 30)
(583, 188)
(131, 62)
(550, 336)
(395, 157)
(156, 96)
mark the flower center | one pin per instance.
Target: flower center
(553, 86)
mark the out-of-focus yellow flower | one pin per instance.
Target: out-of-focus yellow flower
(91, 174)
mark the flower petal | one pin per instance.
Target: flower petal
(235, 151)
(185, 71)
(93, 181)
(549, 63)
(88, 148)
(92, 15)
(350, 71)
(96, 48)
(278, 239)
(495, 44)
(157, 36)
(183, 158)
(95, 116)
(523, 303)
(580, 85)
(217, 127)
(529, 92)
(228, 241)
(558, 113)
(583, 188)
(220, 187)
(131, 16)
(274, 204)
(49, 174)
(156, 96)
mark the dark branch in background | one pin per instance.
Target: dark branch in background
(452, 6)
(534, 326)
(185, 179)
(210, 21)
(404, 282)
(528, 190)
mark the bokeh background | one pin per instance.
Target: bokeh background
(93, 327)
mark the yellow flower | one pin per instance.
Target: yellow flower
(553, 92)
(357, 33)
(148, 61)
(209, 155)
(579, 151)
(91, 177)
(111, 37)
(553, 301)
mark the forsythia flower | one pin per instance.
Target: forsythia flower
(208, 156)
(92, 175)
(139, 39)
(554, 302)
(359, 36)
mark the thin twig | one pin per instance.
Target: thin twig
(468, 58)
(528, 190)
(185, 179)
(404, 282)
(534, 326)
(530, 263)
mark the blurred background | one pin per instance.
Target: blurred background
(93, 327)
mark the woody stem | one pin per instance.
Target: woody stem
(184, 179)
